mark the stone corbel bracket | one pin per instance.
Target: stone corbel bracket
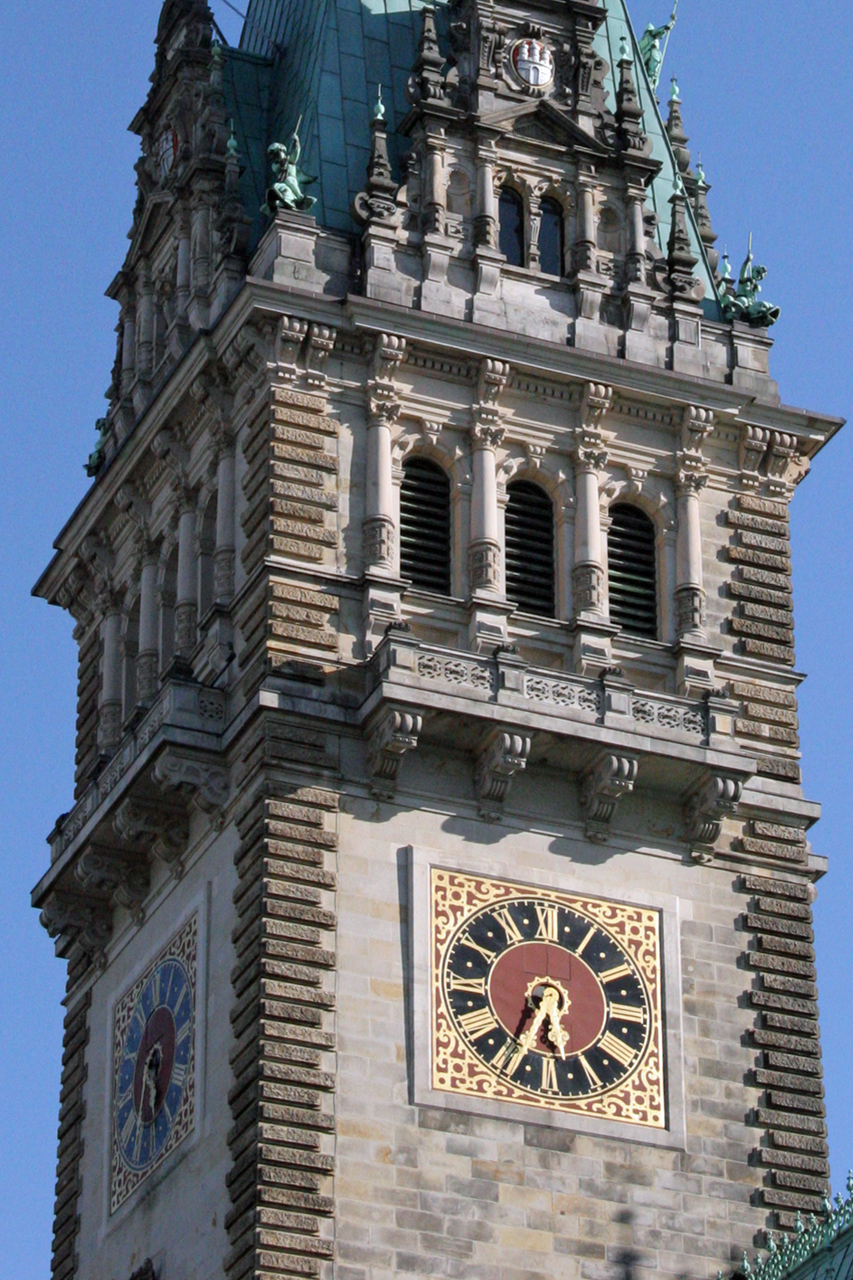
(289, 338)
(79, 918)
(320, 345)
(206, 783)
(160, 831)
(714, 798)
(502, 755)
(392, 734)
(602, 786)
(121, 876)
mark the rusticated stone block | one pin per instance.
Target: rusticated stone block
(763, 506)
(763, 693)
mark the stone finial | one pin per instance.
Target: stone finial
(426, 82)
(681, 260)
(629, 112)
(703, 217)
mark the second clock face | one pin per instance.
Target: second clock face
(547, 999)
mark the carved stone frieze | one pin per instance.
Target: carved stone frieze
(395, 732)
(602, 786)
(502, 755)
(716, 797)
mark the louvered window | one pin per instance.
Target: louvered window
(425, 526)
(551, 238)
(631, 571)
(511, 218)
(530, 548)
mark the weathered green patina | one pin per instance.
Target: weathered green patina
(288, 189)
(820, 1249)
(744, 304)
(651, 50)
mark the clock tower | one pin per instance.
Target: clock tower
(436, 892)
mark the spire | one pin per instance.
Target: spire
(680, 259)
(677, 137)
(703, 218)
(376, 203)
(629, 112)
(426, 81)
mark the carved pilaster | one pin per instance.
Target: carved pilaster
(393, 734)
(502, 756)
(715, 798)
(602, 786)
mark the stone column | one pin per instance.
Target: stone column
(379, 526)
(484, 552)
(145, 323)
(435, 199)
(110, 701)
(689, 586)
(224, 556)
(148, 661)
(486, 220)
(182, 290)
(585, 246)
(637, 234)
(588, 571)
(186, 607)
(128, 347)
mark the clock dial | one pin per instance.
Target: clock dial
(153, 1103)
(546, 998)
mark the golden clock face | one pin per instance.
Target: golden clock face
(547, 999)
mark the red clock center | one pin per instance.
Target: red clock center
(154, 1062)
(511, 977)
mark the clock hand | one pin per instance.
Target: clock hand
(550, 1007)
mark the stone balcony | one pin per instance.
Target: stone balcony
(507, 714)
(136, 810)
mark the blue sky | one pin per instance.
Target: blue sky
(765, 87)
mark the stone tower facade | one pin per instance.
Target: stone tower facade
(436, 895)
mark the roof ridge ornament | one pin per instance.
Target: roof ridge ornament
(788, 1253)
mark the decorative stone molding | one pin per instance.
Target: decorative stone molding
(394, 733)
(289, 339)
(753, 446)
(602, 786)
(161, 831)
(123, 877)
(691, 612)
(79, 918)
(588, 588)
(388, 355)
(697, 424)
(596, 403)
(715, 798)
(321, 343)
(502, 756)
(484, 565)
(379, 541)
(207, 783)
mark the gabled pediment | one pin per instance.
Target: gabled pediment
(153, 223)
(545, 123)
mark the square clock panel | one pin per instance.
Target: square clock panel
(548, 999)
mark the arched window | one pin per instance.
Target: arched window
(530, 548)
(631, 571)
(511, 216)
(425, 526)
(551, 238)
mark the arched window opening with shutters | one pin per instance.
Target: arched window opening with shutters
(551, 238)
(632, 573)
(511, 220)
(530, 548)
(425, 526)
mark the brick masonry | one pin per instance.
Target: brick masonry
(793, 1152)
(283, 1021)
(72, 1111)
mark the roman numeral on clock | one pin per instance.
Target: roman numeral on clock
(549, 1075)
(549, 925)
(476, 985)
(478, 1022)
(610, 975)
(590, 1074)
(627, 1013)
(467, 941)
(510, 928)
(623, 1053)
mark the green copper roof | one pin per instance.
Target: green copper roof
(821, 1249)
(324, 60)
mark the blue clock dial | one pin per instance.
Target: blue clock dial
(155, 1065)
